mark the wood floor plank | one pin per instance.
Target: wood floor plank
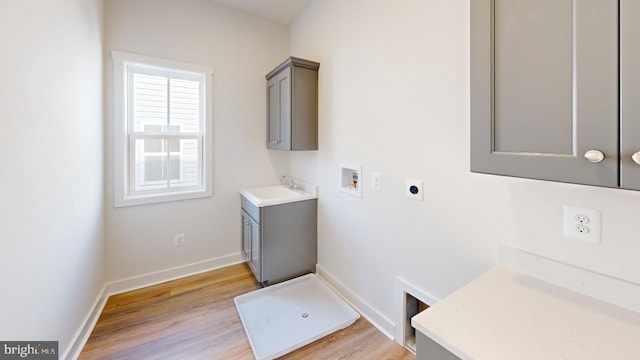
(195, 318)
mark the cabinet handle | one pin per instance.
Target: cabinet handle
(636, 158)
(275, 141)
(594, 156)
(247, 222)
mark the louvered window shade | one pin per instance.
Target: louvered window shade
(165, 131)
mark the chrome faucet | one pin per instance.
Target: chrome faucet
(292, 184)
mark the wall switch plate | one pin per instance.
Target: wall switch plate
(583, 224)
(178, 240)
(415, 189)
(375, 181)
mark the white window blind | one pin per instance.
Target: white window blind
(165, 129)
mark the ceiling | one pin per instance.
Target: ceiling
(282, 11)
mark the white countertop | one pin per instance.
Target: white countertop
(504, 315)
(277, 194)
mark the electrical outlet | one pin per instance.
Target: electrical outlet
(582, 229)
(582, 219)
(178, 240)
(583, 224)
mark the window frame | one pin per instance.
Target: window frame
(124, 136)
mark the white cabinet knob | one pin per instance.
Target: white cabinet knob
(594, 156)
(636, 158)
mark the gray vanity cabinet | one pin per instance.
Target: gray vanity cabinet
(279, 242)
(292, 105)
(545, 90)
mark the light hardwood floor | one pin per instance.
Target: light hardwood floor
(195, 318)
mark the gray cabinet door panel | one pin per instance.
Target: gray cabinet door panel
(533, 91)
(273, 132)
(544, 89)
(252, 236)
(255, 253)
(279, 104)
(246, 236)
(630, 93)
(284, 96)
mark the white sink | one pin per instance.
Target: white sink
(274, 195)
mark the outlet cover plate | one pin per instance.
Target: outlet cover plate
(583, 224)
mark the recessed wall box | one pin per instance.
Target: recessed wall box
(351, 179)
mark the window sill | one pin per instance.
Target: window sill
(161, 198)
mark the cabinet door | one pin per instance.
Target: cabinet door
(544, 89)
(246, 236)
(273, 116)
(279, 104)
(255, 252)
(630, 94)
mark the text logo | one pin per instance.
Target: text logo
(30, 350)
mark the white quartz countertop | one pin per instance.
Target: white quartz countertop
(277, 194)
(504, 315)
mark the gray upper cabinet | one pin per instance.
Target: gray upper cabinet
(630, 94)
(292, 102)
(545, 89)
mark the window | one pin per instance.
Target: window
(162, 130)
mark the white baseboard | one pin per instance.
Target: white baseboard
(81, 337)
(139, 282)
(375, 317)
(158, 277)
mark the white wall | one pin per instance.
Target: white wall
(51, 141)
(394, 97)
(242, 49)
